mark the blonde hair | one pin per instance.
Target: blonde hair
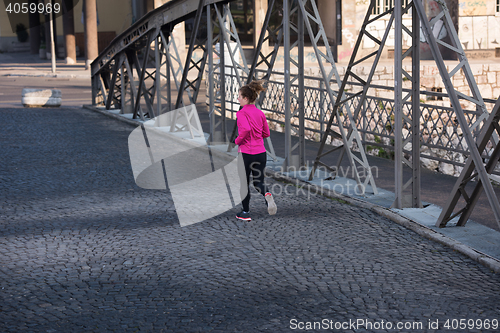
(252, 90)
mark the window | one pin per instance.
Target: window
(434, 97)
(388, 4)
(382, 6)
(498, 6)
(242, 12)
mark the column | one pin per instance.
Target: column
(91, 46)
(69, 31)
(259, 10)
(34, 21)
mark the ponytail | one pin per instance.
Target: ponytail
(252, 90)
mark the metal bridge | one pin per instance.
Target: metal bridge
(165, 81)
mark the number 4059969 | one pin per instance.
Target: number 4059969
(462, 324)
(25, 8)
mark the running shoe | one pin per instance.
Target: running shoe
(271, 205)
(245, 216)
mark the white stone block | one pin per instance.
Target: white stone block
(492, 77)
(496, 93)
(486, 90)
(447, 168)
(477, 69)
(429, 164)
(41, 97)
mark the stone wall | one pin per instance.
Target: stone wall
(487, 77)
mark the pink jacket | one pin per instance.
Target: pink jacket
(252, 129)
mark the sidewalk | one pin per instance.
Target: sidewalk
(26, 64)
(478, 234)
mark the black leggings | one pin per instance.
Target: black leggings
(254, 164)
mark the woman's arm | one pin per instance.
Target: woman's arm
(243, 129)
(265, 129)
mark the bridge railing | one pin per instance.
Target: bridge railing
(440, 134)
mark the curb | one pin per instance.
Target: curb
(482, 258)
(62, 76)
(112, 115)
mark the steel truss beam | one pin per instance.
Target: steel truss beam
(112, 63)
(113, 90)
(294, 98)
(219, 18)
(294, 95)
(113, 85)
(273, 37)
(121, 57)
(165, 55)
(348, 132)
(347, 127)
(142, 90)
(172, 12)
(411, 119)
(192, 64)
(269, 36)
(412, 96)
(454, 95)
(470, 172)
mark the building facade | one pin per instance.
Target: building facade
(477, 22)
(113, 18)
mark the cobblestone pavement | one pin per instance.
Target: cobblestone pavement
(85, 250)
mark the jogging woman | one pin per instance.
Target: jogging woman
(252, 129)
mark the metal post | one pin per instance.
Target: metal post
(158, 75)
(286, 92)
(52, 43)
(406, 200)
(168, 69)
(301, 92)
(130, 70)
(211, 83)
(415, 142)
(398, 107)
(95, 88)
(123, 92)
(222, 69)
(322, 107)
